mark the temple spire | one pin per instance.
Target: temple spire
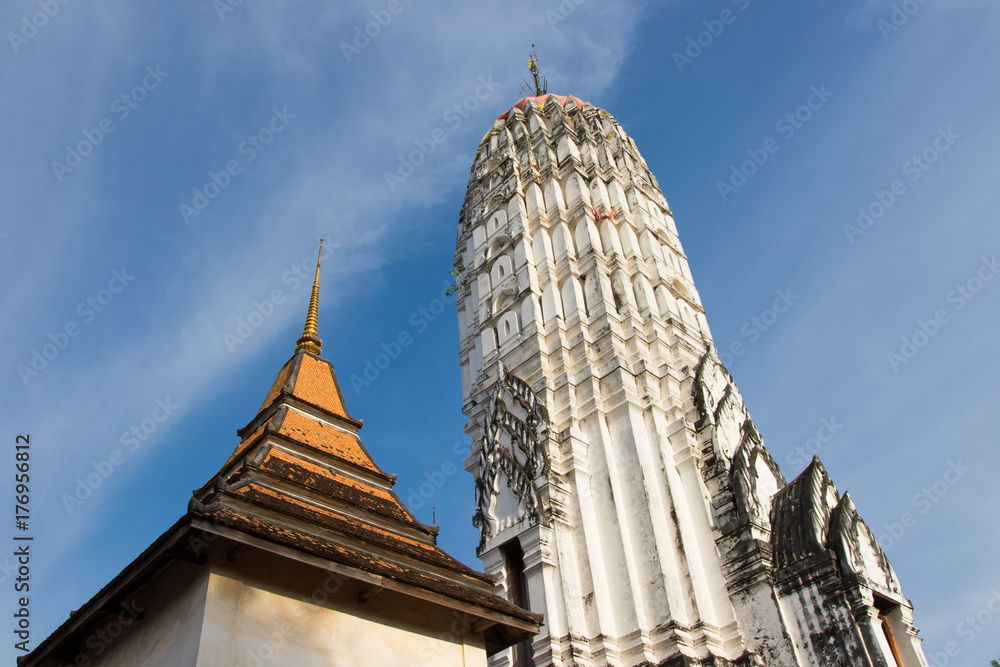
(541, 86)
(310, 341)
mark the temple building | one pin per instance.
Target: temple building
(297, 552)
(621, 488)
(628, 511)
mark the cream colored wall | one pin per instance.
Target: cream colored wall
(168, 633)
(261, 612)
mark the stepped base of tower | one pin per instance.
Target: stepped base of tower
(639, 649)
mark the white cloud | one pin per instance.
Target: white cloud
(164, 336)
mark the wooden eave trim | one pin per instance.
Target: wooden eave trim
(367, 577)
(339, 465)
(348, 423)
(309, 453)
(356, 512)
(481, 582)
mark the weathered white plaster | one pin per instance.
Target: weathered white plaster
(645, 534)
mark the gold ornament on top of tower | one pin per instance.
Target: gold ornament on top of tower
(309, 341)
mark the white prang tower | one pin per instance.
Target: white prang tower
(621, 487)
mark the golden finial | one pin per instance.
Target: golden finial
(310, 341)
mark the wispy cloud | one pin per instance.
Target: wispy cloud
(324, 176)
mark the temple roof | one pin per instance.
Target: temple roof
(301, 482)
(301, 476)
(310, 379)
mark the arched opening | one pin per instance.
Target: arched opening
(497, 220)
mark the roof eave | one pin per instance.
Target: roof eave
(135, 574)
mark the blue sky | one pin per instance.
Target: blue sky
(336, 119)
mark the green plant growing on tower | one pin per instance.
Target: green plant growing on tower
(460, 281)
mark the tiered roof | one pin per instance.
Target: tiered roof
(301, 484)
(301, 478)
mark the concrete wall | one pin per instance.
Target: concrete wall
(168, 634)
(264, 611)
(261, 610)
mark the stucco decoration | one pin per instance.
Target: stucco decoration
(659, 531)
(800, 515)
(511, 450)
(754, 477)
(720, 406)
(858, 552)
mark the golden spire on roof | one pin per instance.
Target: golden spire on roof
(310, 341)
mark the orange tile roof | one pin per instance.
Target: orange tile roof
(340, 487)
(279, 382)
(316, 384)
(324, 480)
(312, 380)
(480, 595)
(327, 439)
